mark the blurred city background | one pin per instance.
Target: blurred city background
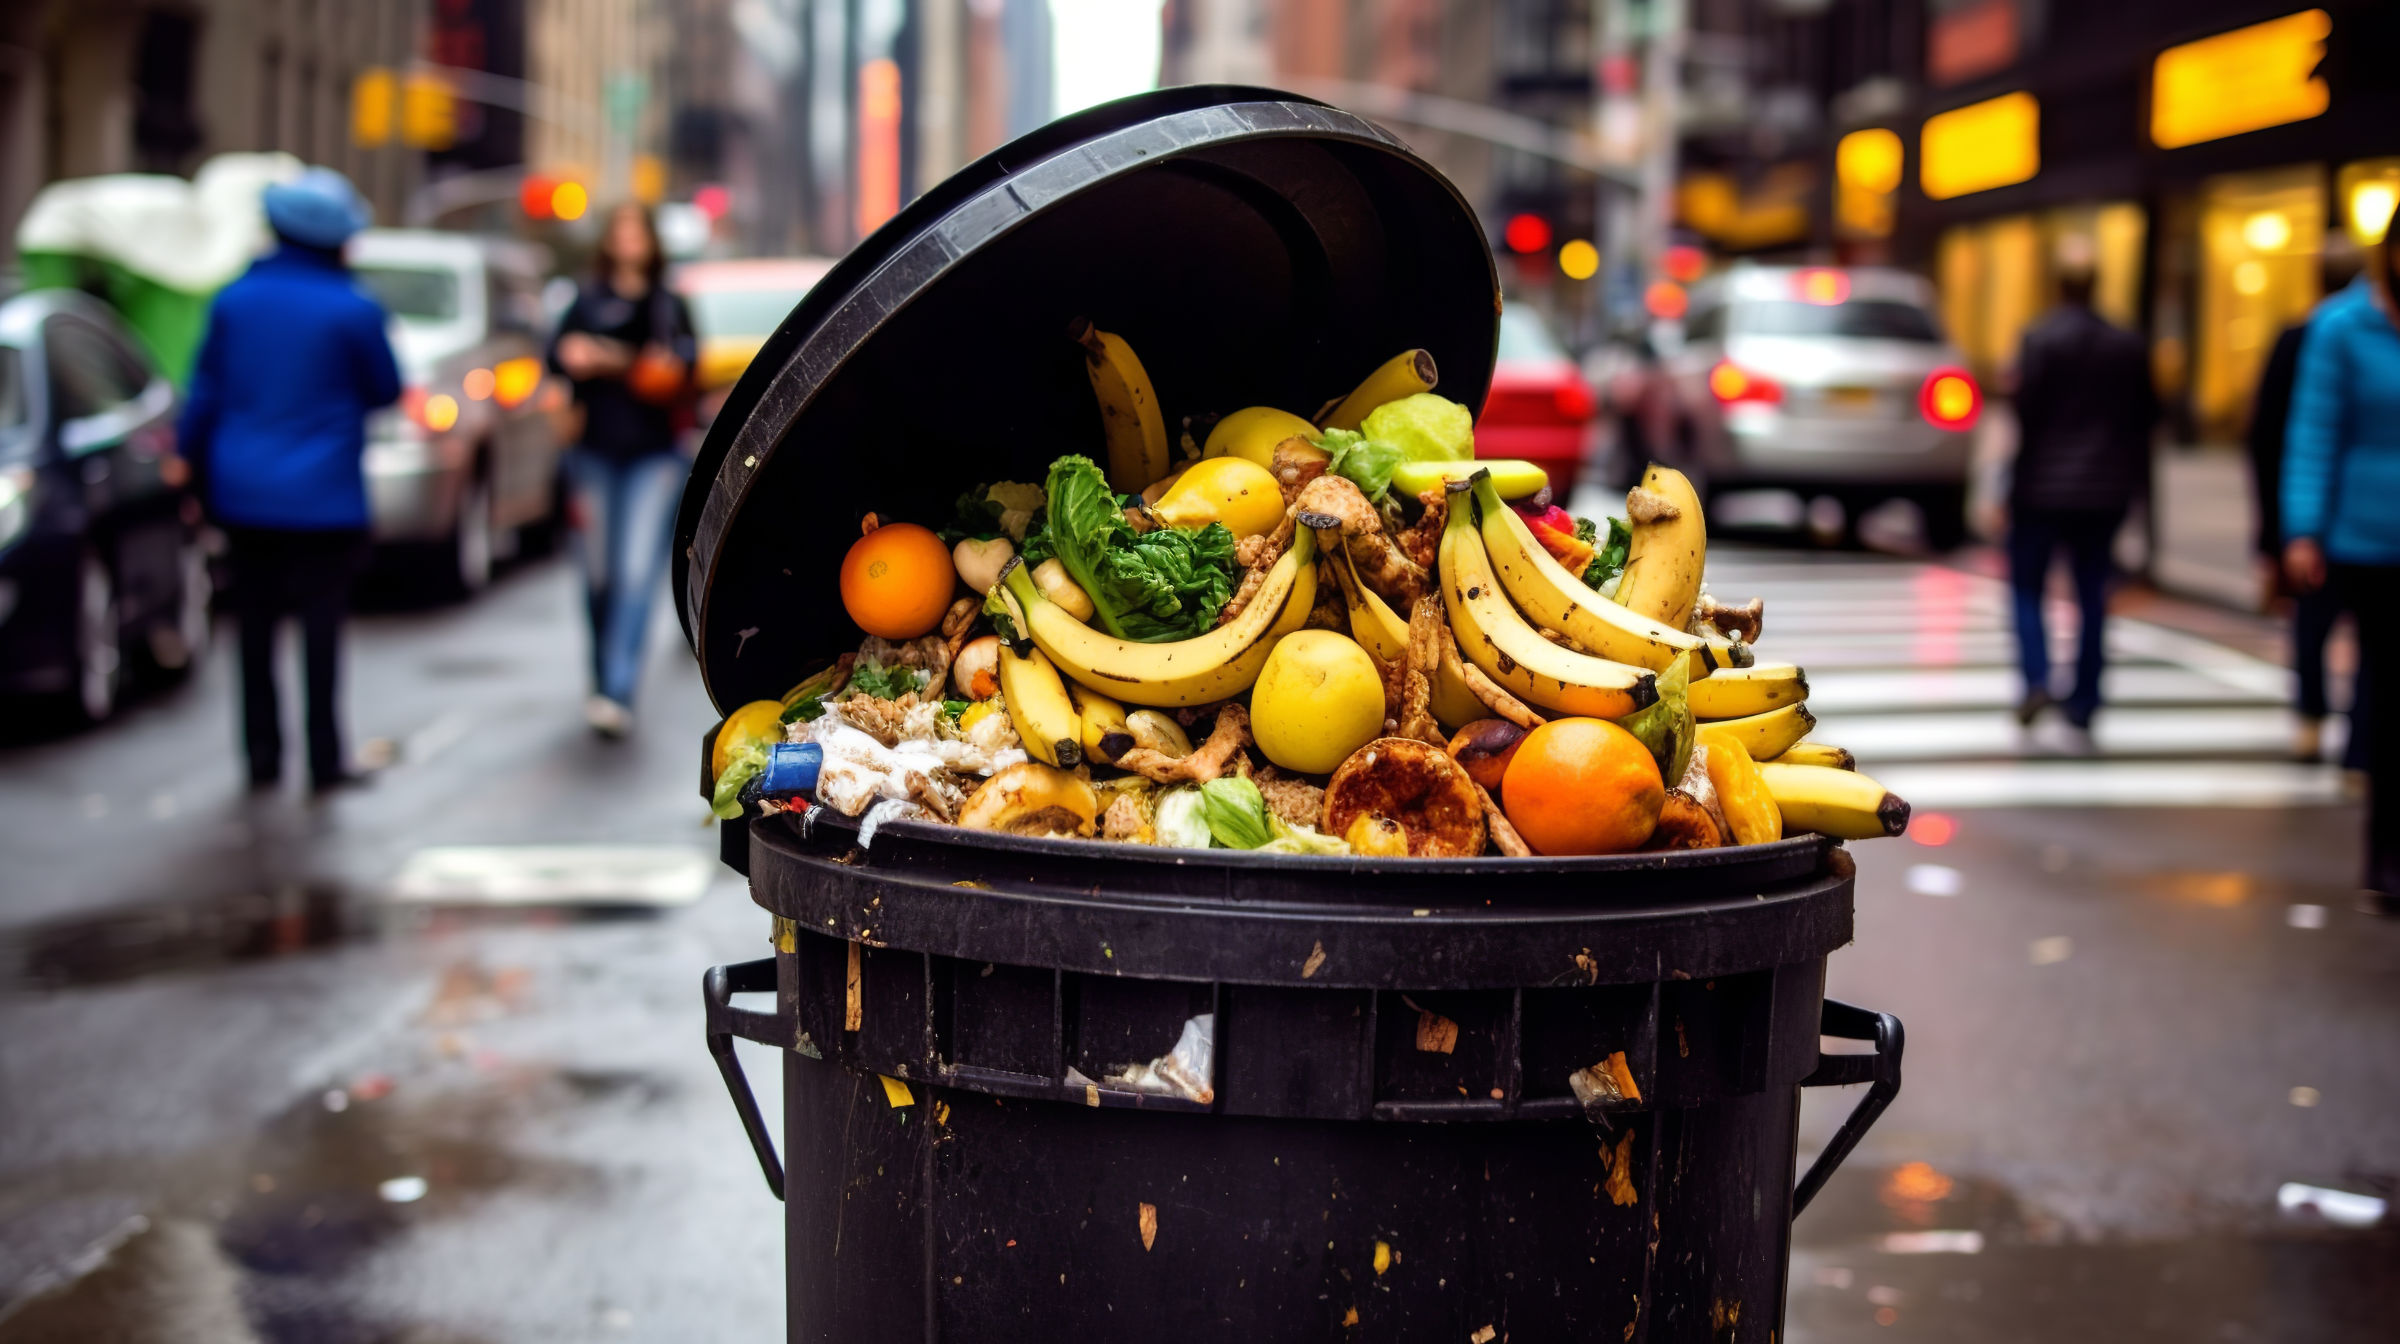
(421, 1061)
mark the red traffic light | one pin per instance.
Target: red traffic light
(1527, 233)
(1683, 263)
(712, 200)
(533, 196)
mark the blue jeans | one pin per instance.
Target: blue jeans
(2034, 537)
(624, 511)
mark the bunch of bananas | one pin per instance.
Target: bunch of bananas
(1536, 629)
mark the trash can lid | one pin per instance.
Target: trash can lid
(1255, 247)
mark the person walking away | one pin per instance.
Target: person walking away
(293, 359)
(2314, 612)
(2341, 513)
(627, 344)
(2085, 407)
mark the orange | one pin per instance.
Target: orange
(1582, 786)
(896, 581)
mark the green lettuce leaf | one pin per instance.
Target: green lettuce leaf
(1236, 812)
(1366, 463)
(741, 766)
(1164, 584)
(884, 683)
(1427, 427)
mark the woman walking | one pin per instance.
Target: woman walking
(2341, 513)
(627, 344)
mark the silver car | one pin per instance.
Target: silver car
(1822, 380)
(468, 459)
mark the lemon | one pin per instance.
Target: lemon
(1317, 700)
(758, 721)
(1234, 491)
(1253, 432)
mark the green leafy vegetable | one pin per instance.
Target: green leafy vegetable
(1366, 463)
(1608, 560)
(1428, 428)
(999, 509)
(1180, 821)
(1236, 812)
(806, 709)
(1302, 840)
(741, 766)
(1152, 586)
(951, 709)
(869, 677)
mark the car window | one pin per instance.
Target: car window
(1524, 340)
(1863, 319)
(88, 373)
(1706, 324)
(741, 312)
(412, 293)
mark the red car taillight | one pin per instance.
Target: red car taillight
(1950, 399)
(436, 411)
(1730, 382)
(1573, 400)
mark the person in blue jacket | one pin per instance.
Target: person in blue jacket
(2341, 512)
(294, 358)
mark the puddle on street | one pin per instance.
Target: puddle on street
(1918, 1252)
(325, 1185)
(131, 942)
(152, 938)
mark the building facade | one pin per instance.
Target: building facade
(2200, 151)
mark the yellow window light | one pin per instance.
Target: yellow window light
(1994, 143)
(1578, 259)
(2267, 231)
(2368, 190)
(1869, 160)
(2245, 80)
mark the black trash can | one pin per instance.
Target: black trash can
(1036, 1088)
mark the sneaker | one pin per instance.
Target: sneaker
(2308, 741)
(607, 717)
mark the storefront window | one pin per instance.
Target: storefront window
(2368, 191)
(1996, 276)
(2260, 235)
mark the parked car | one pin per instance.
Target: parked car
(735, 306)
(1824, 381)
(1539, 408)
(469, 459)
(102, 566)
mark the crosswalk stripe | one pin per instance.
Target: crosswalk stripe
(1913, 667)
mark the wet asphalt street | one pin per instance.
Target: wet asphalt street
(260, 1081)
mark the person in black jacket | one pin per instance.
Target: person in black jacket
(2085, 407)
(627, 342)
(2314, 611)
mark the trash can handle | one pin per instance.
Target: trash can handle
(725, 1022)
(1880, 1070)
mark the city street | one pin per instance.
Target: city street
(267, 1055)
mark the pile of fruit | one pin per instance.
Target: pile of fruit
(1344, 635)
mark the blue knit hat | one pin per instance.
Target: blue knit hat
(319, 208)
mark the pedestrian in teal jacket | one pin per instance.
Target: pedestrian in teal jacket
(294, 359)
(2341, 513)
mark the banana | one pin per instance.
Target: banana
(1495, 638)
(1197, 671)
(1742, 691)
(1669, 549)
(1403, 375)
(1840, 803)
(1553, 597)
(1767, 736)
(1102, 717)
(1129, 414)
(1818, 753)
(1384, 633)
(1037, 703)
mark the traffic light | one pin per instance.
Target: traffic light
(418, 108)
(1526, 233)
(372, 98)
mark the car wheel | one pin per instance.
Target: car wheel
(178, 645)
(471, 543)
(99, 652)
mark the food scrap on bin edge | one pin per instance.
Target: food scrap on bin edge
(1346, 636)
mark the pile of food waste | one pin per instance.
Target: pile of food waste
(1333, 635)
